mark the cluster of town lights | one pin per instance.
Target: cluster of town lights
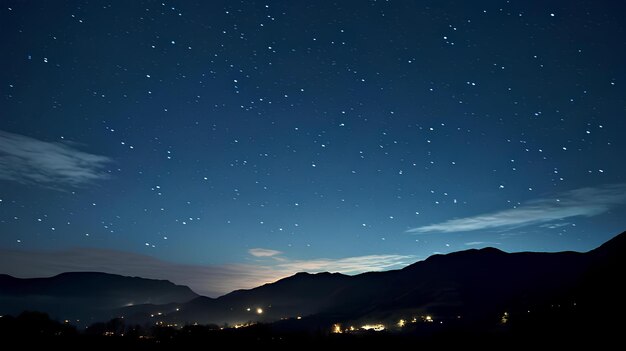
(339, 329)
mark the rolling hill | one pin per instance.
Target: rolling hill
(85, 296)
(475, 286)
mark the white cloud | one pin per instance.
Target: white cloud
(348, 265)
(480, 243)
(259, 252)
(30, 161)
(586, 202)
(209, 280)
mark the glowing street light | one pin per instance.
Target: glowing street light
(337, 328)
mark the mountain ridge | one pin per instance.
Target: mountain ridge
(476, 283)
(470, 281)
(85, 295)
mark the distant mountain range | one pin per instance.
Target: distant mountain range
(85, 297)
(477, 286)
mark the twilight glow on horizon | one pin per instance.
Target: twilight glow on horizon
(223, 145)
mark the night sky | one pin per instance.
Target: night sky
(224, 144)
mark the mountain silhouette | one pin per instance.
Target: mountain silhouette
(475, 286)
(85, 296)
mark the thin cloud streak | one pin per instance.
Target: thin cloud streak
(208, 280)
(259, 252)
(480, 243)
(55, 165)
(555, 225)
(585, 202)
(349, 265)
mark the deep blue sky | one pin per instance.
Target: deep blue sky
(254, 139)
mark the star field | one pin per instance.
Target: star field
(199, 133)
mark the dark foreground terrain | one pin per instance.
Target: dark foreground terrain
(562, 326)
(478, 298)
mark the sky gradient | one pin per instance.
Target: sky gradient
(226, 144)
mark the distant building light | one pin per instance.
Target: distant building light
(259, 310)
(374, 327)
(505, 318)
(401, 323)
(337, 328)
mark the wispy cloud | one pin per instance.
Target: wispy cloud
(31, 161)
(555, 225)
(349, 265)
(259, 252)
(345, 265)
(586, 202)
(481, 243)
(209, 280)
